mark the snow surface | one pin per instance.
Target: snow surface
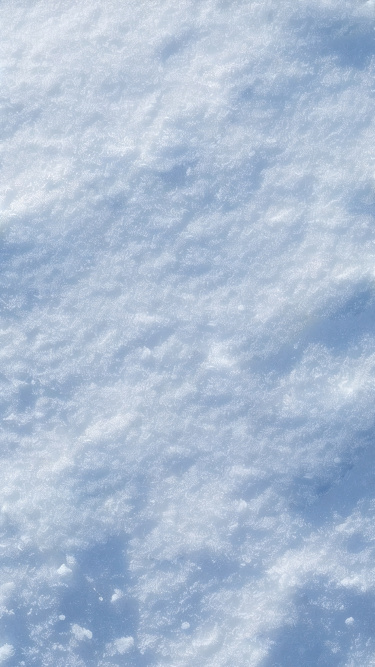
(187, 333)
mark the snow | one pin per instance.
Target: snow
(123, 645)
(81, 633)
(117, 595)
(63, 570)
(187, 358)
(6, 651)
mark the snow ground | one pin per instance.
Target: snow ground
(187, 333)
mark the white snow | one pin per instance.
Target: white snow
(6, 652)
(123, 645)
(187, 333)
(81, 633)
(63, 570)
(117, 595)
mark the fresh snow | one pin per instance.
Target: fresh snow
(187, 328)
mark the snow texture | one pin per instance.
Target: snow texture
(187, 327)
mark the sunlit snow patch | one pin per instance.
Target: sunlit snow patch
(6, 651)
(81, 633)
